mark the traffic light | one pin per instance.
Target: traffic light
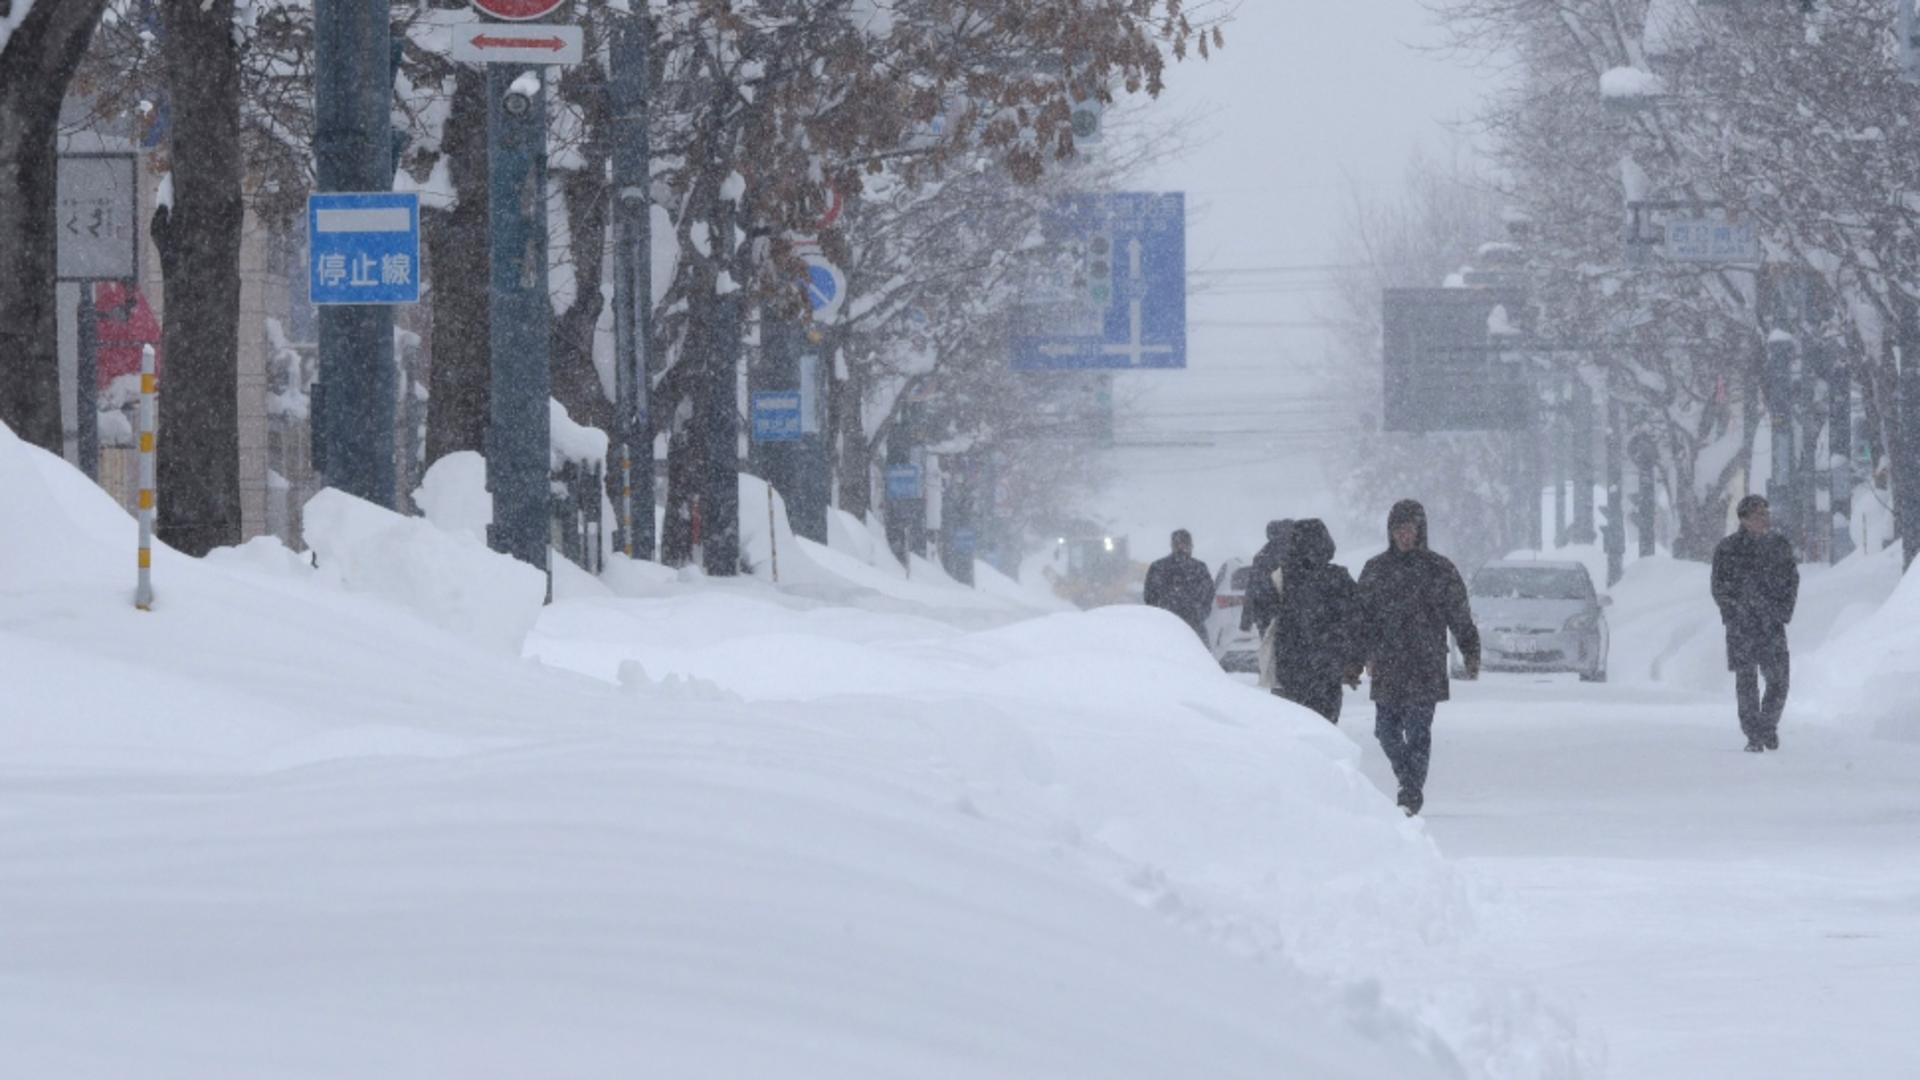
(1100, 269)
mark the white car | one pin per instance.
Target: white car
(1539, 616)
(1236, 649)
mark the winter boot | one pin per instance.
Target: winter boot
(1410, 801)
(1754, 745)
(1772, 740)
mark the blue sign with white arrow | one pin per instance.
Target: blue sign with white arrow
(1111, 289)
(776, 416)
(363, 248)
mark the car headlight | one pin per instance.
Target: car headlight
(1582, 622)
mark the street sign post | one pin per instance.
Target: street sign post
(363, 248)
(95, 196)
(527, 43)
(1698, 240)
(903, 483)
(777, 416)
(1112, 293)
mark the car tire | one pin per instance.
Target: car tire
(1594, 676)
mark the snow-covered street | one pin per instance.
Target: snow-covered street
(1714, 913)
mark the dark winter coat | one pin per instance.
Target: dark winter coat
(1262, 598)
(1316, 636)
(1182, 584)
(1409, 601)
(1756, 583)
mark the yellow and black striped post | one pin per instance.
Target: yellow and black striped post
(143, 594)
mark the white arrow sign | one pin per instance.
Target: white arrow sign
(519, 43)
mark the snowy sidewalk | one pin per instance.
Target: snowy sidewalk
(1710, 912)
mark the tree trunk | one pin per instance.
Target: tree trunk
(576, 381)
(199, 242)
(461, 372)
(36, 64)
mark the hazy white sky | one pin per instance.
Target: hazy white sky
(1308, 101)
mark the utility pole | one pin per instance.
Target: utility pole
(353, 152)
(632, 464)
(717, 402)
(1782, 359)
(518, 432)
(1840, 453)
(1616, 538)
(1583, 478)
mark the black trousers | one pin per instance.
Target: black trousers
(1760, 717)
(1324, 699)
(1405, 732)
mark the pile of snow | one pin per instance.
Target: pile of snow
(765, 835)
(450, 579)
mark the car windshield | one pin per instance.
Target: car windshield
(1241, 577)
(1533, 583)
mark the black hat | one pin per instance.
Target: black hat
(1750, 504)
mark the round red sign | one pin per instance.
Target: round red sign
(516, 10)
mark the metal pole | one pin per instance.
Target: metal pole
(628, 88)
(353, 151)
(1840, 457)
(773, 536)
(1616, 538)
(717, 408)
(1583, 479)
(86, 415)
(518, 436)
(149, 417)
(1781, 348)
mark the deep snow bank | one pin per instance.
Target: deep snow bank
(282, 827)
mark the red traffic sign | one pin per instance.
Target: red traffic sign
(491, 43)
(517, 10)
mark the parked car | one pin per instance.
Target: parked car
(1236, 649)
(1539, 617)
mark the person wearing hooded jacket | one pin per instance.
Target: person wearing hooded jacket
(1410, 598)
(1316, 633)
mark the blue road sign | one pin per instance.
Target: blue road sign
(363, 248)
(963, 540)
(776, 416)
(903, 483)
(1111, 292)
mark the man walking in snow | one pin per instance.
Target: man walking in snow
(1316, 634)
(1756, 584)
(1182, 584)
(1409, 599)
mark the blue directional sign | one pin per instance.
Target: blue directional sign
(363, 248)
(903, 483)
(1111, 288)
(963, 540)
(776, 416)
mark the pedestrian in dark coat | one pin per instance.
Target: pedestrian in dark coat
(1316, 637)
(1262, 597)
(1182, 584)
(1756, 583)
(1410, 598)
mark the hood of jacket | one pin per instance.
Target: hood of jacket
(1311, 545)
(1404, 511)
